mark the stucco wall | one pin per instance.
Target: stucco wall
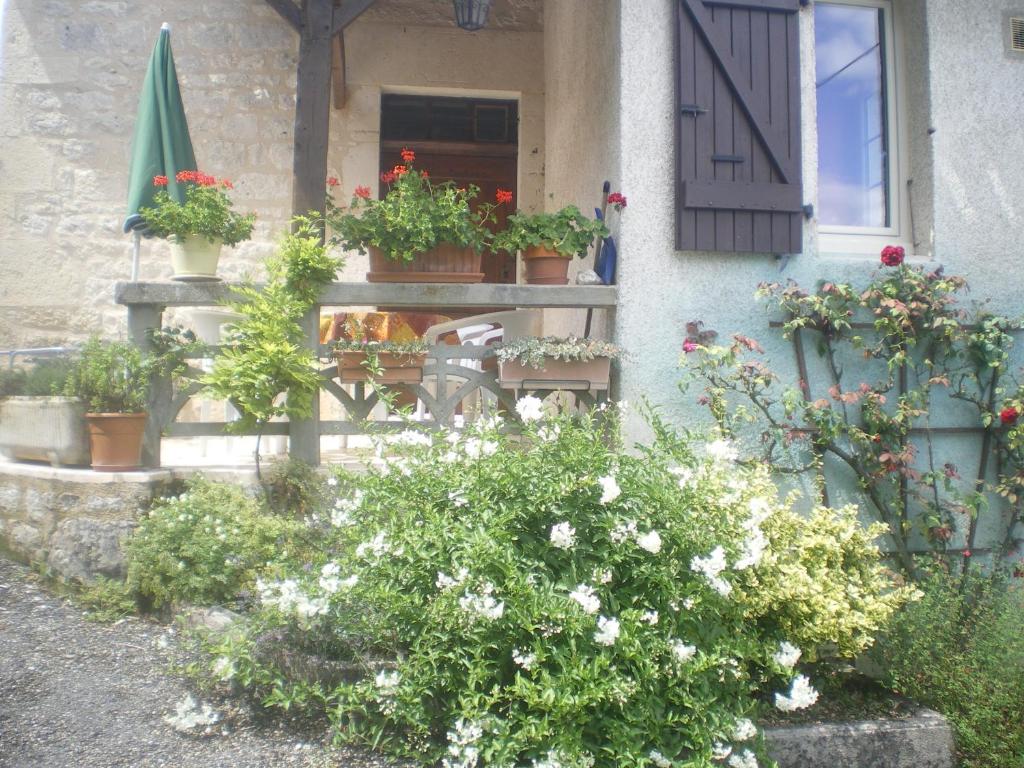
(581, 56)
(70, 72)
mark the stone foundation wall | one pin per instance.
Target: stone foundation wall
(73, 520)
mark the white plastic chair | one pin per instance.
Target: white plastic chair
(481, 330)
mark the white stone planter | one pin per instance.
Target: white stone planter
(44, 429)
(194, 257)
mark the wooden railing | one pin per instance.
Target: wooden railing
(450, 382)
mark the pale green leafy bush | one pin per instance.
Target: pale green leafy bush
(204, 546)
(551, 599)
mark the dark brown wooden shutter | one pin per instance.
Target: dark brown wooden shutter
(738, 126)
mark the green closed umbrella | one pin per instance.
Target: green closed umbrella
(160, 145)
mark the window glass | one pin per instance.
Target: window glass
(853, 179)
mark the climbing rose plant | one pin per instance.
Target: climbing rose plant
(550, 599)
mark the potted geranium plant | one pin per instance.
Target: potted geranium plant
(200, 226)
(553, 362)
(419, 232)
(112, 380)
(36, 423)
(548, 241)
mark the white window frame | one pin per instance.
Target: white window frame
(846, 240)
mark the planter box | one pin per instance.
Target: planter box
(444, 263)
(556, 374)
(398, 368)
(44, 429)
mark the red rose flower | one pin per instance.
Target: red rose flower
(363, 192)
(159, 181)
(408, 155)
(503, 196)
(332, 181)
(618, 200)
(1009, 415)
(893, 255)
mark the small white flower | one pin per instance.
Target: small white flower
(685, 474)
(332, 481)
(722, 451)
(801, 695)
(484, 604)
(610, 490)
(530, 408)
(224, 668)
(623, 531)
(682, 651)
(745, 759)
(745, 730)
(549, 434)
(524, 659)
(387, 682)
(584, 595)
(649, 617)
(710, 567)
(563, 535)
(378, 546)
(444, 581)
(462, 752)
(650, 541)
(720, 751)
(787, 656)
(607, 630)
(603, 577)
(412, 437)
(659, 759)
(753, 550)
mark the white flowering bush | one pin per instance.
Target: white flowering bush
(552, 600)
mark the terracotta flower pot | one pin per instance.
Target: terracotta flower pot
(588, 375)
(545, 267)
(194, 258)
(115, 440)
(398, 368)
(444, 263)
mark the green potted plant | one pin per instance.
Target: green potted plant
(548, 241)
(200, 226)
(384, 362)
(418, 232)
(36, 423)
(112, 380)
(553, 362)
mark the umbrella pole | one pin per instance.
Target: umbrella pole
(135, 256)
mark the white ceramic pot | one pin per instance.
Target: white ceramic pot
(194, 257)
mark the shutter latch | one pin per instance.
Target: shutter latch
(692, 109)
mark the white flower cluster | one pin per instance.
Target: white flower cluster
(331, 583)
(387, 682)
(444, 581)
(623, 531)
(685, 474)
(475, 448)
(462, 750)
(483, 604)
(649, 617)
(650, 541)
(524, 659)
(801, 695)
(563, 536)
(585, 596)
(720, 751)
(341, 515)
(744, 730)
(557, 759)
(756, 543)
(683, 652)
(411, 437)
(288, 598)
(378, 546)
(659, 759)
(610, 490)
(711, 568)
(607, 630)
(787, 656)
(722, 451)
(190, 714)
(530, 408)
(745, 759)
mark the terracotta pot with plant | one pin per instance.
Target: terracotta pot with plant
(552, 362)
(200, 226)
(112, 381)
(548, 241)
(419, 232)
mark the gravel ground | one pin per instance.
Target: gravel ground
(77, 694)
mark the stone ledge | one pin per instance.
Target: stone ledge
(924, 740)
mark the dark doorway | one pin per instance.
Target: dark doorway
(468, 141)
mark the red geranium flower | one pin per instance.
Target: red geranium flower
(388, 177)
(893, 255)
(332, 181)
(689, 346)
(1009, 415)
(226, 184)
(503, 196)
(399, 170)
(618, 200)
(424, 175)
(185, 176)
(363, 192)
(159, 181)
(408, 155)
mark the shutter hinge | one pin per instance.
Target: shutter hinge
(692, 109)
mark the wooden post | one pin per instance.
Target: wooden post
(312, 107)
(304, 435)
(142, 318)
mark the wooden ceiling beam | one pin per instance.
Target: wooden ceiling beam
(288, 11)
(349, 11)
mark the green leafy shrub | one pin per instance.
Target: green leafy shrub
(107, 600)
(552, 599)
(110, 377)
(43, 378)
(203, 547)
(960, 650)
